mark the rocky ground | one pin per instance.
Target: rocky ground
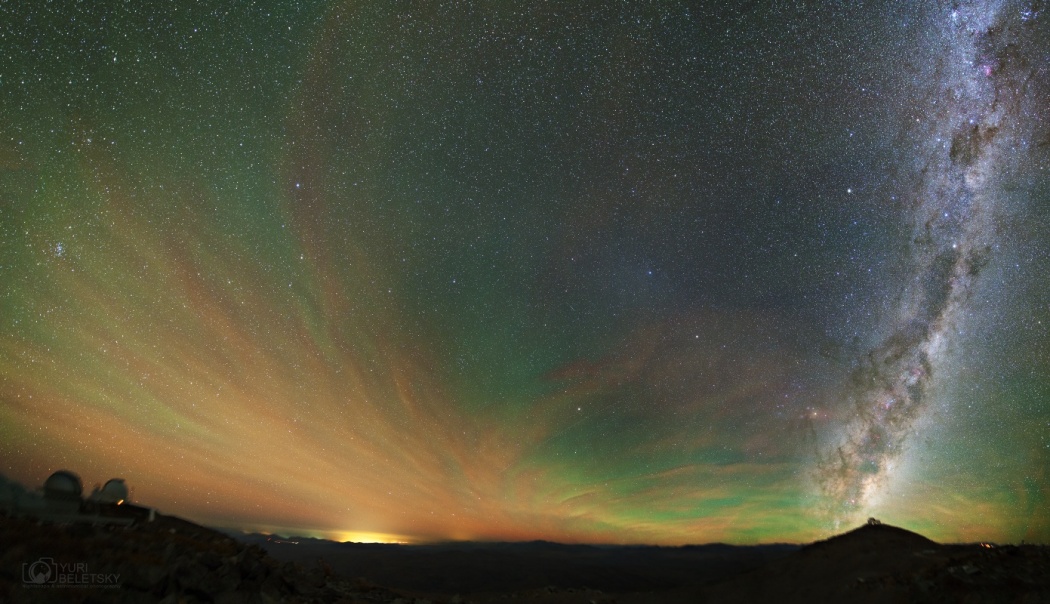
(169, 560)
(172, 560)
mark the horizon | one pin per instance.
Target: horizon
(572, 544)
(359, 538)
(666, 274)
(363, 538)
(840, 533)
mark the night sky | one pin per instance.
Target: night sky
(624, 272)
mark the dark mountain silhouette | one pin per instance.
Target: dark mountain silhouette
(882, 537)
(882, 563)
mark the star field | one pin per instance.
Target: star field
(651, 273)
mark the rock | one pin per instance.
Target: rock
(210, 560)
(232, 597)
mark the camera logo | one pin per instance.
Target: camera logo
(39, 572)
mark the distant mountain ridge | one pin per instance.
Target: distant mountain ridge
(882, 563)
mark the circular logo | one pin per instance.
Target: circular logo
(39, 572)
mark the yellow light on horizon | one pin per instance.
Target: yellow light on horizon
(366, 537)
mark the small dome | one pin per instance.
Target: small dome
(63, 484)
(114, 491)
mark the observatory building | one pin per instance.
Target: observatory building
(61, 499)
(63, 485)
(115, 491)
(62, 491)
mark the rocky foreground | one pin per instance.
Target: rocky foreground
(172, 560)
(168, 560)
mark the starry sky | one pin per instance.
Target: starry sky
(653, 272)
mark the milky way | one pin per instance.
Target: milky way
(662, 272)
(980, 108)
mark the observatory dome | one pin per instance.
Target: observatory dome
(114, 491)
(63, 484)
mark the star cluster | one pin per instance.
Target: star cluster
(471, 270)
